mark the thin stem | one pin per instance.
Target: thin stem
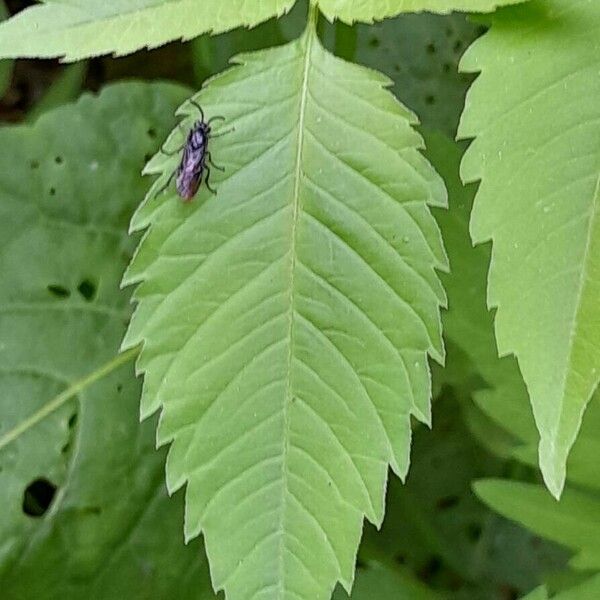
(66, 395)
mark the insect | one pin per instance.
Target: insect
(194, 164)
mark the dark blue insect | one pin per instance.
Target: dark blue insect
(195, 160)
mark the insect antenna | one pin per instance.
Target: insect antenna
(216, 118)
(194, 103)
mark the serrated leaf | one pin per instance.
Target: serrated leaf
(573, 522)
(286, 322)
(537, 154)
(76, 29)
(67, 187)
(367, 11)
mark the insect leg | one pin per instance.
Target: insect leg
(210, 160)
(207, 182)
(164, 187)
(172, 153)
(194, 103)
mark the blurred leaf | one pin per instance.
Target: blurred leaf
(537, 154)
(77, 29)
(84, 511)
(573, 522)
(420, 53)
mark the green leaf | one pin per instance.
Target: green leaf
(368, 11)
(68, 185)
(286, 321)
(537, 154)
(573, 522)
(76, 29)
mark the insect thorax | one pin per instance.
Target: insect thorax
(199, 136)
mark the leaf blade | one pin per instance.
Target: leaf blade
(82, 29)
(68, 185)
(286, 390)
(538, 180)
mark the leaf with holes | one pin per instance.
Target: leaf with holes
(368, 11)
(84, 509)
(77, 29)
(537, 154)
(286, 321)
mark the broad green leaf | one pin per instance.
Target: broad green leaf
(368, 11)
(286, 321)
(573, 522)
(537, 154)
(76, 29)
(67, 187)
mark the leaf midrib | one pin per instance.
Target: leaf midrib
(296, 207)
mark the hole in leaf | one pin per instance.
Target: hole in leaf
(431, 48)
(447, 502)
(429, 99)
(52, 191)
(87, 289)
(447, 67)
(120, 387)
(458, 46)
(72, 421)
(147, 157)
(431, 568)
(474, 531)
(34, 164)
(374, 42)
(152, 132)
(58, 160)
(38, 496)
(58, 290)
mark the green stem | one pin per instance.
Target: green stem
(66, 395)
